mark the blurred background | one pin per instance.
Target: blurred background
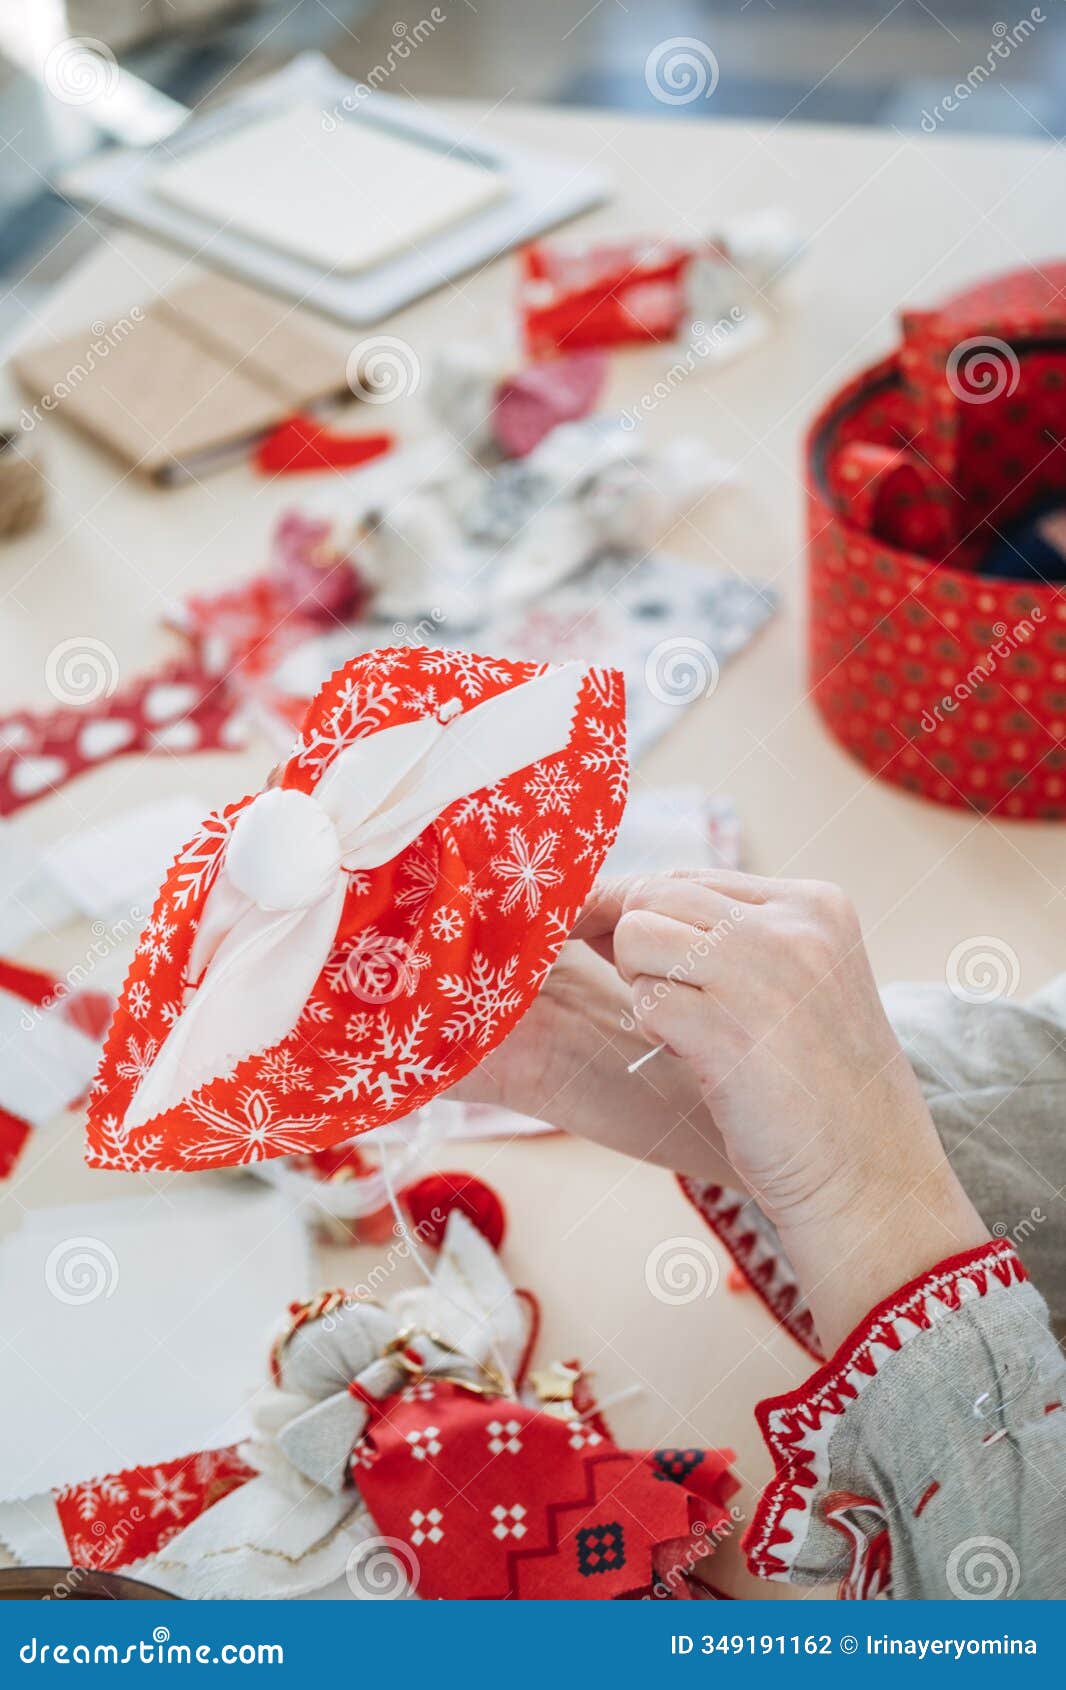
(810, 61)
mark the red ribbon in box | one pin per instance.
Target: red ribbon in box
(937, 633)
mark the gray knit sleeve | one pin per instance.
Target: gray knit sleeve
(928, 1457)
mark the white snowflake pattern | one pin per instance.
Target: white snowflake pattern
(470, 673)
(281, 1070)
(361, 708)
(604, 685)
(487, 808)
(483, 997)
(169, 1012)
(595, 838)
(447, 924)
(164, 1493)
(392, 1067)
(477, 895)
(199, 863)
(154, 942)
(138, 1059)
(608, 755)
(425, 700)
(139, 1000)
(557, 924)
(552, 788)
(95, 1494)
(419, 871)
(114, 1150)
(376, 967)
(253, 1133)
(315, 1012)
(528, 870)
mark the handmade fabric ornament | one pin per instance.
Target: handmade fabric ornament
(401, 1452)
(333, 952)
(496, 412)
(628, 292)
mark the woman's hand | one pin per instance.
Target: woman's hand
(566, 1063)
(764, 990)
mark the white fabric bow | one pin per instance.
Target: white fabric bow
(269, 922)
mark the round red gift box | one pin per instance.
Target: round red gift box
(949, 682)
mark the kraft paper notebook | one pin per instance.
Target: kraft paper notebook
(344, 194)
(199, 375)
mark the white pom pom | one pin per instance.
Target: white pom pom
(284, 853)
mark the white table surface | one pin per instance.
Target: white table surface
(893, 219)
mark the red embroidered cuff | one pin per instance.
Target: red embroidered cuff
(798, 1427)
(737, 1222)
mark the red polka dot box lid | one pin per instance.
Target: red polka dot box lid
(937, 631)
(334, 951)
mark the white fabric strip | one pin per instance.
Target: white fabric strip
(45, 1062)
(270, 920)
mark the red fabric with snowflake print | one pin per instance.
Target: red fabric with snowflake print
(437, 953)
(493, 1499)
(119, 1519)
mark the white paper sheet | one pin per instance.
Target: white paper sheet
(134, 1330)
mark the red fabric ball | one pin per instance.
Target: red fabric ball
(429, 1202)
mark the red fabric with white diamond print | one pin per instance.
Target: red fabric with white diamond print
(119, 1519)
(497, 1500)
(466, 921)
